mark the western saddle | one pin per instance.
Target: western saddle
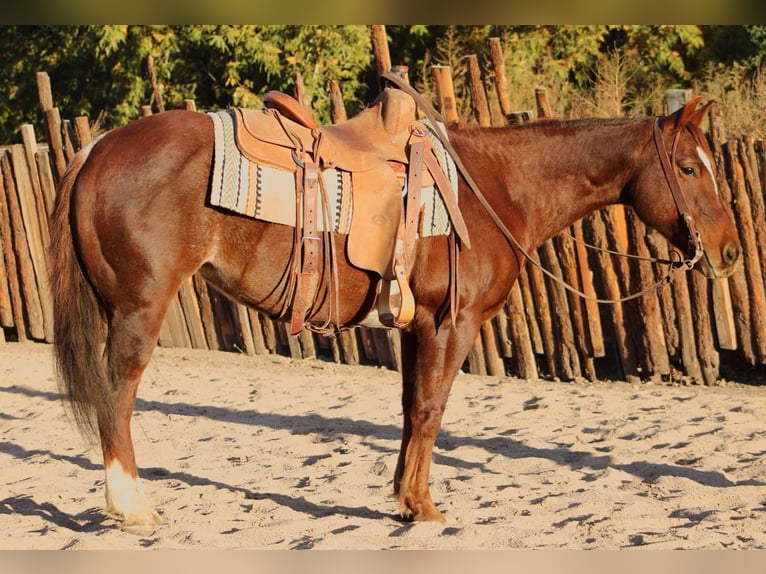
(385, 149)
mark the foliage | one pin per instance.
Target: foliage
(102, 71)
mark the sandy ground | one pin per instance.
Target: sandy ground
(268, 453)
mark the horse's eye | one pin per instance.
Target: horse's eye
(690, 171)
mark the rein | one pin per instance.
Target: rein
(676, 267)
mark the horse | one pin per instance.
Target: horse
(131, 223)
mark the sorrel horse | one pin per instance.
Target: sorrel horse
(131, 224)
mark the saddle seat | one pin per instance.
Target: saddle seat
(379, 133)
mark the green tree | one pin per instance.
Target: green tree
(101, 71)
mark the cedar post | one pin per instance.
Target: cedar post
(337, 108)
(543, 106)
(12, 308)
(652, 334)
(26, 272)
(566, 249)
(520, 337)
(380, 49)
(82, 129)
(35, 231)
(52, 122)
(478, 94)
(446, 92)
(568, 359)
(501, 83)
(753, 271)
(300, 91)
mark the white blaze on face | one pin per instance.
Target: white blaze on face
(706, 160)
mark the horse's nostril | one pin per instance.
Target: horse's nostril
(730, 253)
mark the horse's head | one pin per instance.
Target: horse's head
(690, 169)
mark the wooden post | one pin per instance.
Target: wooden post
(703, 329)
(11, 306)
(476, 363)
(492, 357)
(594, 229)
(755, 193)
(47, 182)
(191, 312)
(520, 336)
(658, 248)
(446, 93)
(245, 329)
(543, 316)
(67, 134)
(738, 291)
(82, 129)
(206, 311)
(543, 106)
(569, 269)
(52, 122)
(478, 94)
(55, 142)
(501, 82)
(652, 334)
(36, 233)
(566, 351)
(146, 111)
(25, 268)
(753, 272)
(30, 150)
(6, 309)
(592, 313)
(337, 108)
(380, 49)
(349, 347)
(190, 105)
(256, 328)
(300, 92)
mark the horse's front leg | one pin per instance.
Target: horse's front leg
(430, 361)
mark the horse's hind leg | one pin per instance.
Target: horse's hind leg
(132, 338)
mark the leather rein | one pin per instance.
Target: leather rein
(677, 266)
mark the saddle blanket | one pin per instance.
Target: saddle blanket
(268, 193)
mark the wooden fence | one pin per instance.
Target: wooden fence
(694, 328)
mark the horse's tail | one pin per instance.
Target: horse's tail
(79, 325)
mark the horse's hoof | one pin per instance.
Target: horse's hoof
(142, 524)
(427, 514)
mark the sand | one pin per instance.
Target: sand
(264, 452)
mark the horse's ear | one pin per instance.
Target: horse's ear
(689, 114)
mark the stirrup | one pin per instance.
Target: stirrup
(396, 315)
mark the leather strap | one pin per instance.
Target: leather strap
(307, 278)
(414, 185)
(695, 241)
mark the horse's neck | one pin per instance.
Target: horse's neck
(555, 172)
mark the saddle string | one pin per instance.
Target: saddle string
(432, 116)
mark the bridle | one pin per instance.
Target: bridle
(675, 266)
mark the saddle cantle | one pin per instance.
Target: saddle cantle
(374, 147)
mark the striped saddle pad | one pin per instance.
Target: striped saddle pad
(268, 193)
